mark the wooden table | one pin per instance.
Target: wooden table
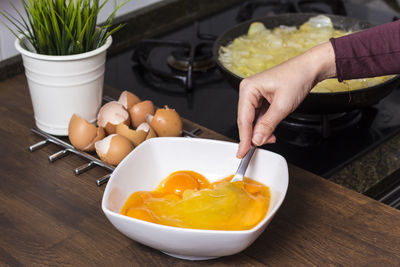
(49, 216)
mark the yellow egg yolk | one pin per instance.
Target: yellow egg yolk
(186, 199)
(178, 182)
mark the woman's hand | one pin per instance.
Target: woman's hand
(284, 87)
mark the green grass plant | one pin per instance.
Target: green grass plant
(62, 27)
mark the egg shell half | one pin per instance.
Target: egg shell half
(135, 136)
(82, 134)
(112, 114)
(113, 148)
(139, 112)
(128, 99)
(166, 122)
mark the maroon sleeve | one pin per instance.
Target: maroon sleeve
(368, 53)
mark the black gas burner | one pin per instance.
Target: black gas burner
(180, 62)
(173, 84)
(312, 129)
(202, 61)
(249, 8)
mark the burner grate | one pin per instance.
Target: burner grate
(181, 62)
(311, 129)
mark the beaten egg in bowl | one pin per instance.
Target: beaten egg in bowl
(187, 199)
(147, 167)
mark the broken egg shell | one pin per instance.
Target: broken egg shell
(128, 99)
(82, 134)
(166, 122)
(100, 135)
(139, 112)
(150, 133)
(113, 149)
(112, 128)
(135, 136)
(112, 114)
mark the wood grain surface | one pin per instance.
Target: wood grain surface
(51, 217)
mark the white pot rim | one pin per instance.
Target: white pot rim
(92, 53)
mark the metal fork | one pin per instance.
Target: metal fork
(243, 165)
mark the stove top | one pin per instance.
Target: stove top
(205, 97)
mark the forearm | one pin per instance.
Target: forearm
(368, 53)
(322, 62)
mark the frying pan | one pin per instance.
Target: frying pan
(320, 103)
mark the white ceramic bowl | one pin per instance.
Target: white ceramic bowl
(155, 159)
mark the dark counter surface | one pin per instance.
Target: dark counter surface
(368, 170)
(49, 216)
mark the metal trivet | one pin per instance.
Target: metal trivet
(93, 161)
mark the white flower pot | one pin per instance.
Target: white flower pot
(63, 85)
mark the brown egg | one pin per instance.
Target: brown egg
(82, 134)
(113, 148)
(135, 136)
(112, 114)
(139, 112)
(166, 122)
(128, 99)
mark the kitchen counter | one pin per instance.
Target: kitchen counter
(371, 168)
(49, 216)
